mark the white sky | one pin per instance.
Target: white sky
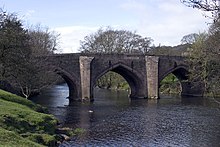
(165, 21)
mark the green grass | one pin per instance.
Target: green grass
(12, 139)
(4, 95)
(23, 124)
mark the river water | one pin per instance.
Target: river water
(115, 120)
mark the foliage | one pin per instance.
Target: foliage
(115, 41)
(178, 50)
(198, 55)
(19, 122)
(14, 48)
(19, 48)
(170, 85)
(205, 51)
(213, 61)
(43, 41)
(189, 39)
(204, 57)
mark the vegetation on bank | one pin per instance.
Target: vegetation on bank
(23, 123)
(170, 85)
(21, 69)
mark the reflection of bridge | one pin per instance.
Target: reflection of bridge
(143, 73)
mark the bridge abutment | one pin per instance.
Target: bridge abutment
(192, 89)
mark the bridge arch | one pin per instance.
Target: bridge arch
(73, 84)
(130, 75)
(181, 73)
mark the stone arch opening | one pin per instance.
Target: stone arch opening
(131, 77)
(112, 80)
(180, 79)
(71, 83)
(170, 85)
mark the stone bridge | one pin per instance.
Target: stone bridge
(142, 72)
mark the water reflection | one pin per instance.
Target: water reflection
(54, 96)
(115, 120)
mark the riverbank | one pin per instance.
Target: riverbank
(23, 123)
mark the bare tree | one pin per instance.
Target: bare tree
(115, 41)
(37, 76)
(206, 5)
(42, 40)
(212, 6)
(189, 39)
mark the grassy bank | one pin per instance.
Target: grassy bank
(23, 123)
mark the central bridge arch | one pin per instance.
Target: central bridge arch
(130, 75)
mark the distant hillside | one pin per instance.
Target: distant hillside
(178, 50)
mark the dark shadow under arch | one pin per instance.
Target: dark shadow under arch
(130, 75)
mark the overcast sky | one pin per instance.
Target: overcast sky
(165, 21)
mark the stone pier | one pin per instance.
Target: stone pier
(85, 74)
(152, 76)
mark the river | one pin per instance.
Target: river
(115, 120)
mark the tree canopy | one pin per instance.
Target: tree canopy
(205, 50)
(115, 41)
(18, 50)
